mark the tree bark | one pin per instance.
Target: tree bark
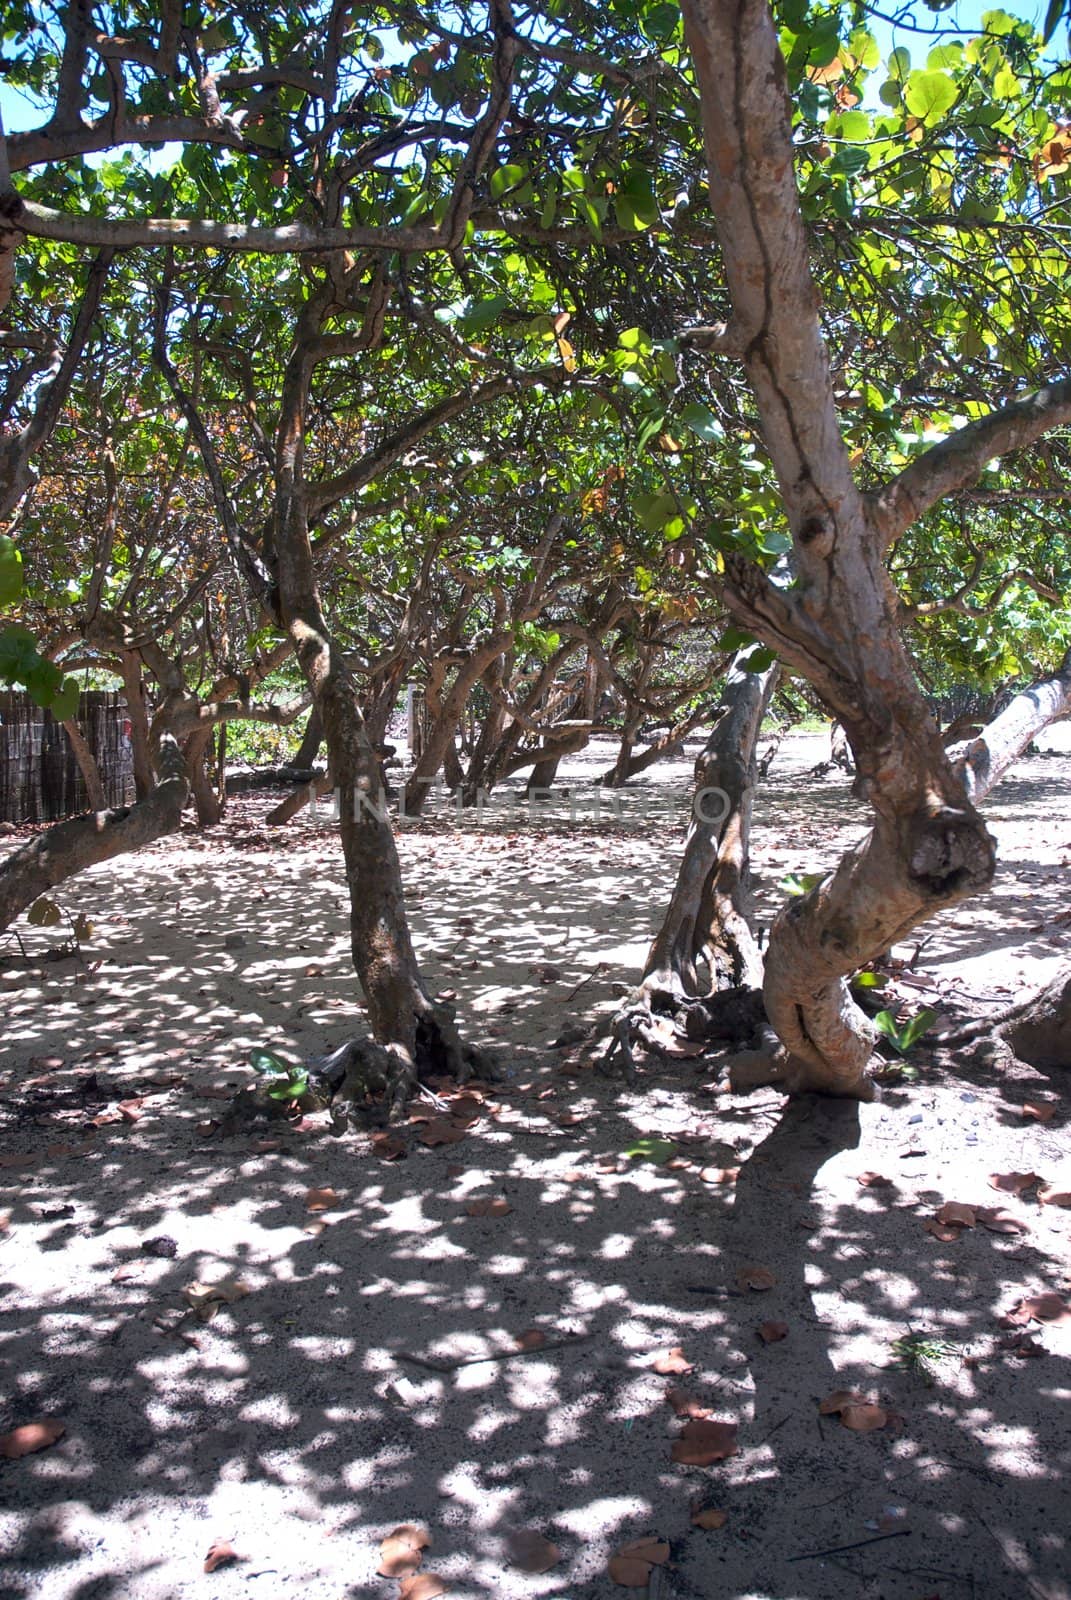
(1040, 1031)
(87, 764)
(708, 917)
(80, 842)
(311, 740)
(138, 714)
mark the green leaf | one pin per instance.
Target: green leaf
(917, 1027)
(63, 703)
(869, 980)
(702, 422)
(1052, 18)
(657, 1150)
(511, 180)
(10, 571)
(797, 883)
(268, 1063)
(928, 95)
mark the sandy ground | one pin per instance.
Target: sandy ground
(322, 1403)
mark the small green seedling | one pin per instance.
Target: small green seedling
(903, 1038)
(657, 1150)
(796, 883)
(870, 980)
(920, 1354)
(285, 1081)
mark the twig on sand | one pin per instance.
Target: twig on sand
(594, 973)
(838, 1549)
(435, 1365)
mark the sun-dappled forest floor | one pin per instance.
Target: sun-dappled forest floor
(514, 1320)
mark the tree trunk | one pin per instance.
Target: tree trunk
(87, 765)
(543, 774)
(311, 740)
(80, 842)
(298, 799)
(1040, 1031)
(138, 713)
(708, 919)
(205, 799)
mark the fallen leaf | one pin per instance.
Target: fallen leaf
(531, 1339)
(388, 1146)
(952, 1214)
(719, 1175)
(5, 1221)
(864, 1417)
(402, 1551)
(1041, 1308)
(467, 1108)
(685, 1404)
(1000, 1221)
(530, 1552)
(702, 1442)
(1038, 1110)
(772, 1332)
(16, 1163)
(709, 1518)
(439, 1131)
(628, 1572)
(30, 1437)
(651, 1549)
(490, 1206)
(835, 1402)
(130, 1110)
(873, 1180)
(220, 1552)
(1013, 1182)
(757, 1278)
(668, 1362)
(943, 1231)
(1053, 1195)
(421, 1586)
(320, 1200)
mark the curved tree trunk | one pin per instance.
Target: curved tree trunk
(707, 921)
(137, 711)
(87, 764)
(206, 800)
(80, 842)
(311, 740)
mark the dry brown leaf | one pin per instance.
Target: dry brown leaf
(863, 1417)
(873, 1180)
(836, 1402)
(17, 1163)
(709, 1518)
(953, 1214)
(321, 1200)
(388, 1146)
(422, 1586)
(439, 1131)
(1013, 1182)
(531, 1339)
(669, 1362)
(130, 1110)
(757, 1278)
(943, 1231)
(628, 1572)
(1053, 1195)
(719, 1175)
(530, 1552)
(1039, 1110)
(772, 1332)
(999, 1221)
(402, 1550)
(220, 1552)
(467, 1109)
(31, 1437)
(702, 1442)
(489, 1206)
(5, 1221)
(650, 1548)
(685, 1404)
(1041, 1308)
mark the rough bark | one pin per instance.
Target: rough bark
(87, 764)
(707, 922)
(138, 713)
(1040, 1030)
(929, 848)
(311, 740)
(80, 842)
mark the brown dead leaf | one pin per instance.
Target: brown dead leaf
(873, 1180)
(1053, 1195)
(489, 1206)
(388, 1146)
(439, 1131)
(1038, 1110)
(1013, 1182)
(702, 1442)
(219, 1553)
(530, 1552)
(998, 1220)
(131, 1110)
(651, 1549)
(628, 1572)
(16, 1163)
(467, 1108)
(321, 1200)
(953, 1214)
(422, 1586)
(402, 1550)
(709, 1518)
(30, 1437)
(719, 1175)
(756, 1278)
(531, 1339)
(669, 1362)
(864, 1417)
(5, 1221)
(835, 1402)
(685, 1404)
(772, 1332)
(943, 1231)
(1040, 1308)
